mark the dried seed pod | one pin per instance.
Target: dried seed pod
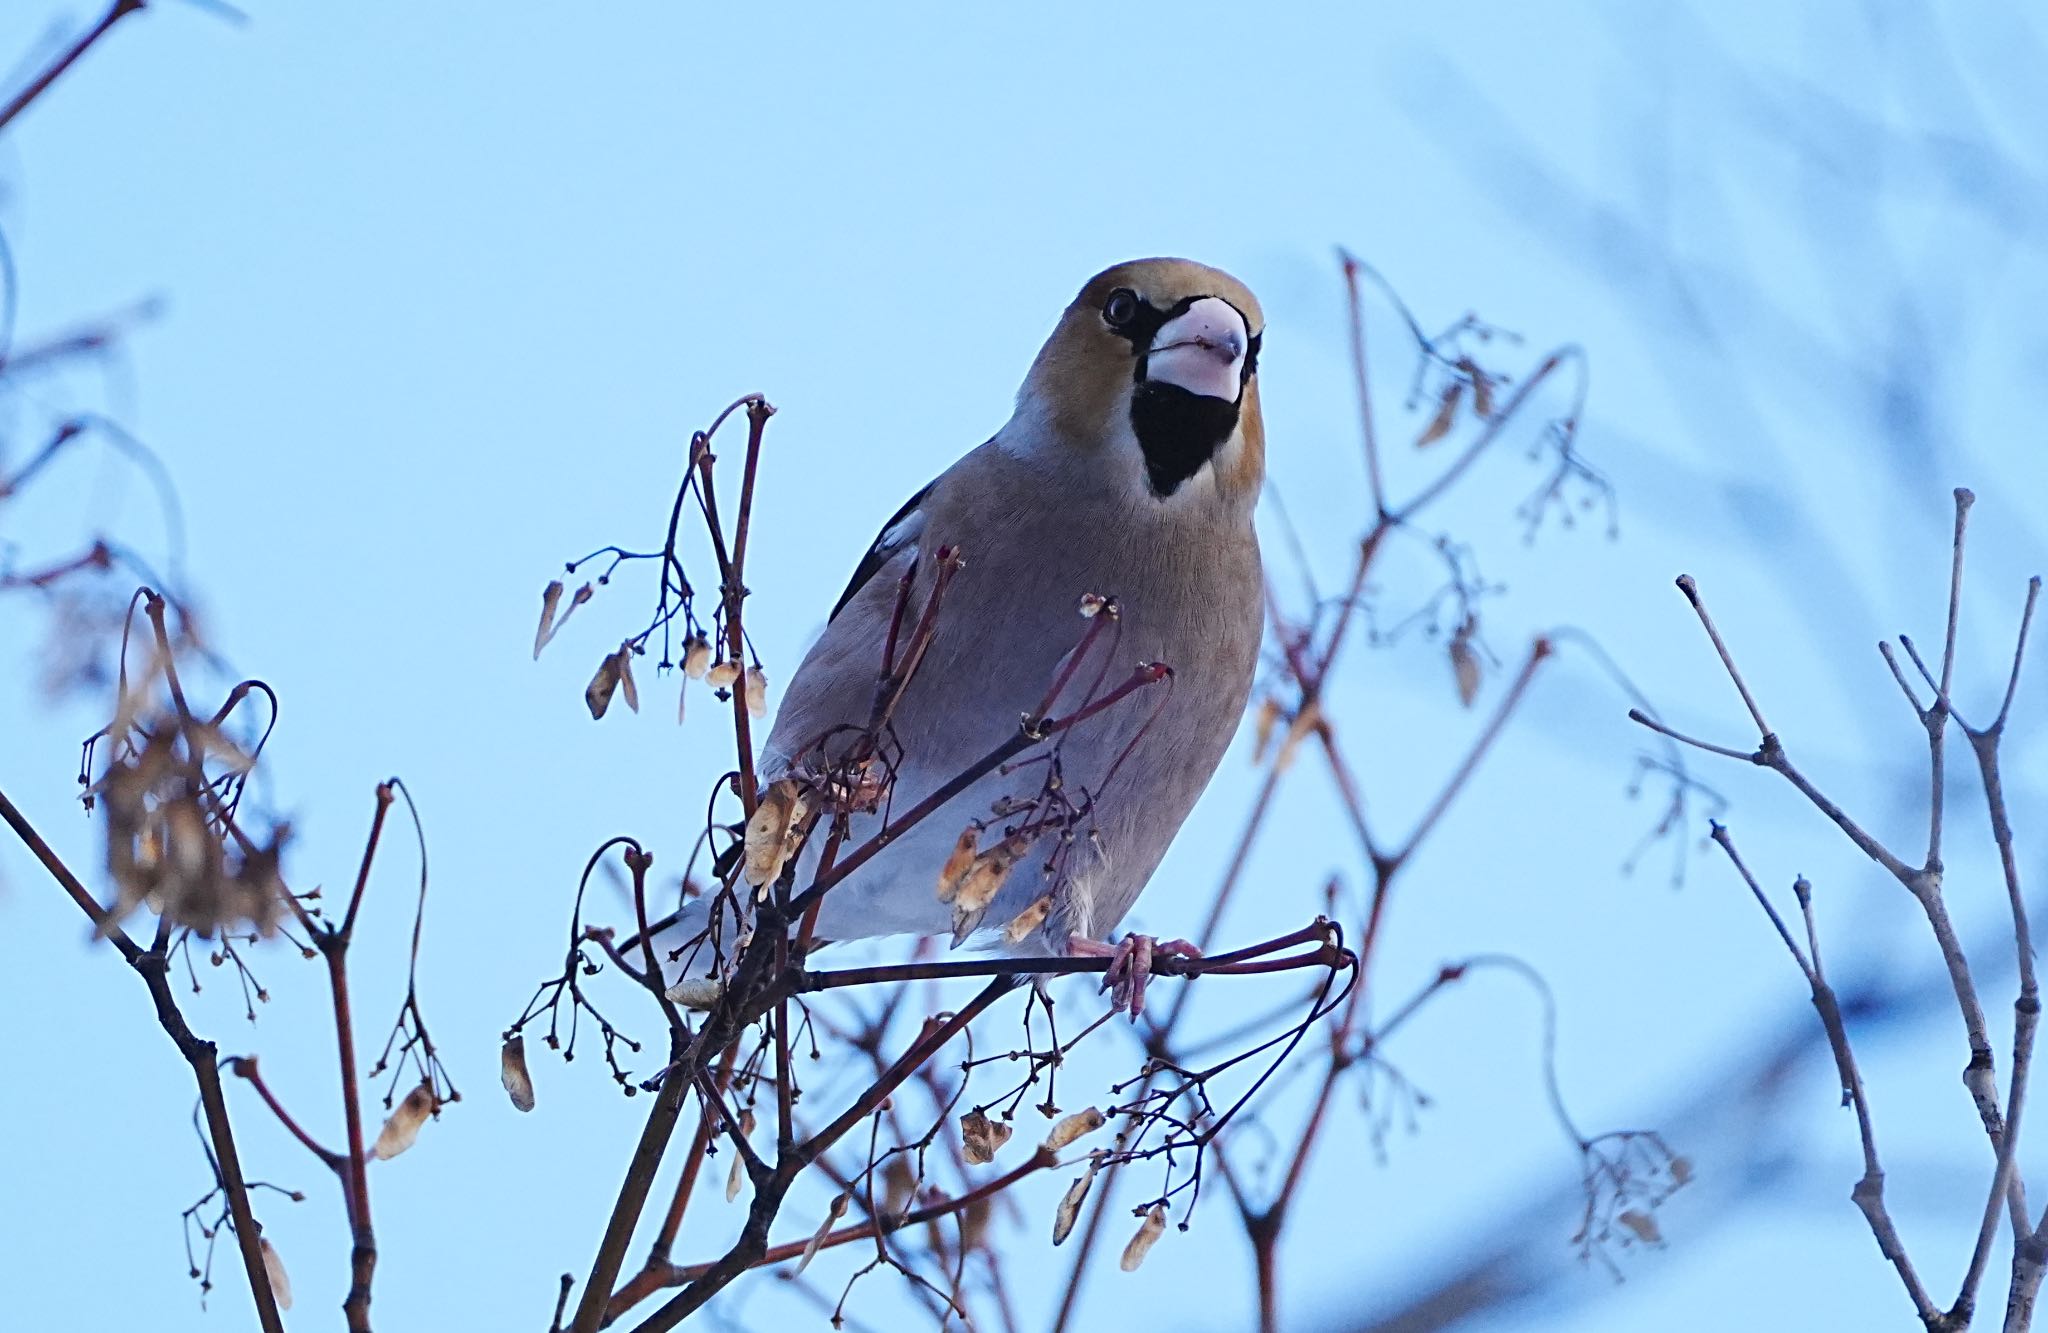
(983, 880)
(982, 1138)
(1069, 1211)
(698, 993)
(899, 1186)
(957, 862)
(1301, 728)
(1446, 415)
(1262, 732)
(512, 1070)
(211, 743)
(582, 595)
(598, 693)
(682, 703)
(738, 1173)
(1681, 1170)
(1465, 664)
(861, 786)
(696, 656)
(1028, 920)
(550, 601)
(1141, 1244)
(722, 675)
(402, 1126)
(1641, 1225)
(1075, 1126)
(1092, 604)
(1482, 388)
(757, 692)
(626, 683)
(832, 1216)
(273, 1268)
(775, 831)
(974, 1223)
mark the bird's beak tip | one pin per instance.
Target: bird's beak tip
(1201, 349)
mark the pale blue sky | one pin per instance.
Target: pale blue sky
(447, 286)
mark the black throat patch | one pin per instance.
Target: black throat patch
(1179, 431)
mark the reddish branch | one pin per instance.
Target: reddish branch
(152, 965)
(333, 946)
(1040, 1160)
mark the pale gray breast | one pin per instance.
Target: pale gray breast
(1189, 590)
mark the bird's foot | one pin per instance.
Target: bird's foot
(1130, 965)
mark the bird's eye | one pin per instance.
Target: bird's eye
(1121, 307)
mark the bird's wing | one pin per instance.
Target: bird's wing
(898, 535)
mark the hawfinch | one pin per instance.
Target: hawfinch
(1125, 481)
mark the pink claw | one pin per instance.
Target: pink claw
(1130, 965)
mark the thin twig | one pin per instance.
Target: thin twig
(119, 10)
(1869, 1191)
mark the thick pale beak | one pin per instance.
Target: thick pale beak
(1201, 350)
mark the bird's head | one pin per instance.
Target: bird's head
(1156, 362)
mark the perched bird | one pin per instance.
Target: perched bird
(1122, 487)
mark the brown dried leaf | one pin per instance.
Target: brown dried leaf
(1446, 415)
(402, 1127)
(517, 1078)
(1482, 388)
(1141, 1244)
(598, 693)
(1641, 1225)
(981, 1137)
